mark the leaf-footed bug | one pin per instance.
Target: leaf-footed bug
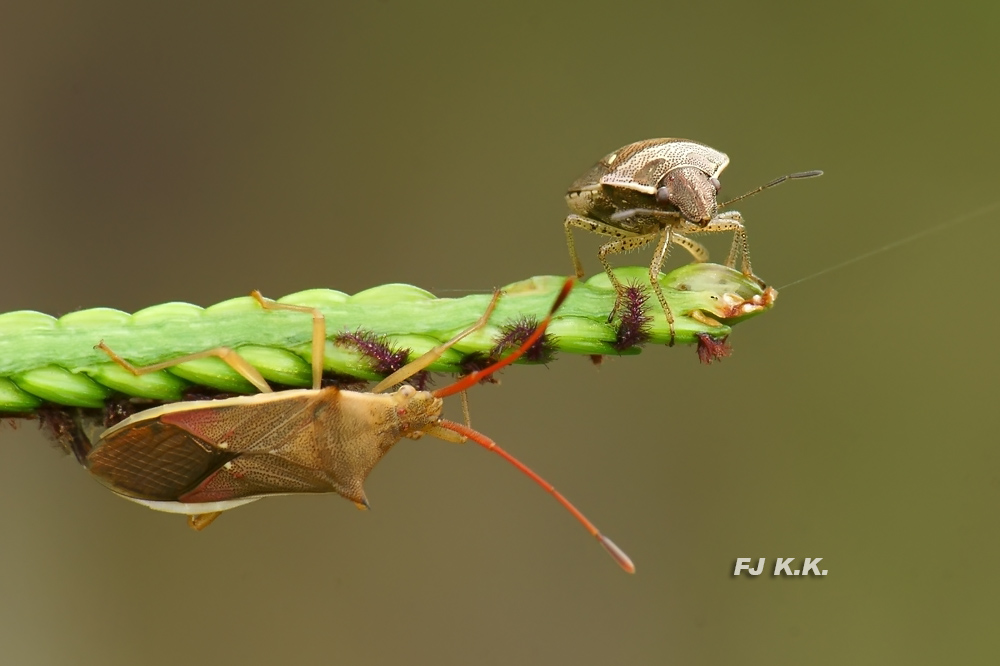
(661, 189)
(207, 456)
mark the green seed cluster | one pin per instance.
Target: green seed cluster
(45, 359)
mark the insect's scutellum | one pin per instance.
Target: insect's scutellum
(201, 458)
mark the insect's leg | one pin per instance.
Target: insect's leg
(232, 359)
(571, 244)
(465, 409)
(200, 521)
(318, 335)
(665, 216)
(445, 434)
(732, 221)
(697, 250)
(659, 256)
(626, 244)
(449, 435)
(474, 377)
(612, 247)
(418, 364)
(588, 224)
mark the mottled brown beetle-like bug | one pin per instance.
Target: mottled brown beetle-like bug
(203, 457)
(661, 189)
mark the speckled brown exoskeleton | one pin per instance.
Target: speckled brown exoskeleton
(658, 190)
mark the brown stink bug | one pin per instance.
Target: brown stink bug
(203, 457)
(658, 190)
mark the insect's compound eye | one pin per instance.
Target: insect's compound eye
(715, 183)
(407, 391)
(663, 195)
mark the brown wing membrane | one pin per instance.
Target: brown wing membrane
(154, 461)
(277, 442)
(215, 450)
(253, 475)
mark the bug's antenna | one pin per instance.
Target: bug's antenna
(776, 181)
(623, 560)
(474, 378)
(617, 553)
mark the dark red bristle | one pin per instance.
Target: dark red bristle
(633, 318)
(712, 349)
(343, 381)
(384, 358)
(63, 426)
(420, 381)
(475, 362)
(514, 334)
(193, 393)
(118, 408)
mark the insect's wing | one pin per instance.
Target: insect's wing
(154, 461)
(209, 451)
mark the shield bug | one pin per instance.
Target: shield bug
(203, 457)
(659, 190)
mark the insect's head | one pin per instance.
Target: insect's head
(692, 191)
(415, 409)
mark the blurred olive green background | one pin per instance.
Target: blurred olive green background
(195, 151)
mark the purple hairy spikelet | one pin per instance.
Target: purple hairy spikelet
(513, 336)
(64, 429)
(342, 381)
(475, 362)
(384, 358)
(420, 381)
(712, 349)
(633, 318)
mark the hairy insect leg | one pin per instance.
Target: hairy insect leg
(456, 432)
(466, 414)
(571, 244)
(318, 335)
(621, 246)
(697, 250)
(448, 435)
(668, 217)
(659, 256)
(593, 226)
(472, 378)
(231, 358)
(732, 221)
(418, 364)
(200, 521)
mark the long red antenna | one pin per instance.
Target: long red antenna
(617, 553)
(475, 377)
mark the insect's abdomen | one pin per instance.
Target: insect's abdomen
(154, 461)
